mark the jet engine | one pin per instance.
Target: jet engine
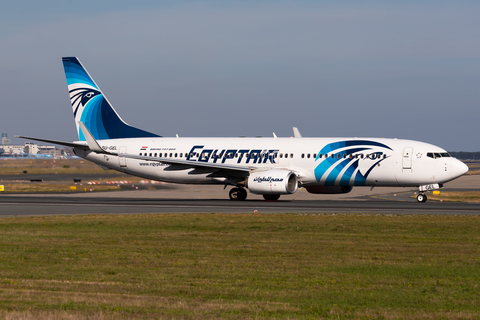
(329, 189)
(272, 182)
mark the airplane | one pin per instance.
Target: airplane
(266, 166)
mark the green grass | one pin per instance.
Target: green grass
(462, 196)
(50, 166)
(199, 266)
(42, 187)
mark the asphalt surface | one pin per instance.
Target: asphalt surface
(53, 205)
(171, 198)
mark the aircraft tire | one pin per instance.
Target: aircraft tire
(422, 197)
(271, 197)
(237, 194)
(242, 194)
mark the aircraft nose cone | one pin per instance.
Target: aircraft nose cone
(458, 168)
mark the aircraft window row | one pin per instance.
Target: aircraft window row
(339, 156)
(163, 155)
(231, 155)
(436, 155)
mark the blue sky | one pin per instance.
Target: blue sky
(400, 69)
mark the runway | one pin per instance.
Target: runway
(54, 205)
(213, 199)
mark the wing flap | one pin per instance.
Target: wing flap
(189, 163)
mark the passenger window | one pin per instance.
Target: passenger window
(291, 155)
(338, 155)
(384, 156)
(150, 155)
(140, 153)
(181, 155)
(281, 156)
(145, 154)
(171, 154)
(303, 155)
(160, 155)
(155, 155)
(350, 157)
(308, 155)
(344, 156)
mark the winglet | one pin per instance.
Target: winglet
(92, 143)
(296, 133)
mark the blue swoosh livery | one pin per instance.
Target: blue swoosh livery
(92, 108)
(349, 167)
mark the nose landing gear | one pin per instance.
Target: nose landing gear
(238, 194)
(422, 197)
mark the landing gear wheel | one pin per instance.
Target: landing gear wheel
(271, 197)
(238, 194)
(422, 197)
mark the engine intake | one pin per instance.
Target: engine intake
(273, 182)
(329, 189)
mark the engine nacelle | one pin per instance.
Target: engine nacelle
(273, 182)
(329, 189)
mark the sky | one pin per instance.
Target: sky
(393, 69)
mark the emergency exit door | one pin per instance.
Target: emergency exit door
(122, 160)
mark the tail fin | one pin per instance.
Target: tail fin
(92, 108)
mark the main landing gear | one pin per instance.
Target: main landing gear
(422, 197)
(239, 194)
(271, 197)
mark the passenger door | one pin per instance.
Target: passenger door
(407, 159)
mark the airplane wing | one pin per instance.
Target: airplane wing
(190, 163)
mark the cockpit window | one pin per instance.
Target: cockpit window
(438, 155)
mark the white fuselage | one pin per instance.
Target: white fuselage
(315, 161)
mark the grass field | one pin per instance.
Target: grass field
(461, 196)
(240, 266)
(55, 187)
(41, 166)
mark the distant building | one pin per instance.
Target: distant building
(30, 148)
(12, 150)
(5, 139)
(46, 150)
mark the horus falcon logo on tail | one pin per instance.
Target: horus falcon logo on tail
(91, 107)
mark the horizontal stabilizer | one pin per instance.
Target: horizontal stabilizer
(61, 143)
